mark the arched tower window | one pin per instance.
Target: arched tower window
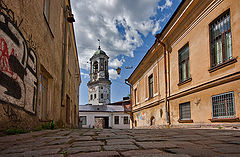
(95, 67)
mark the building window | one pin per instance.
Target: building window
(184, 69)
(46, 9)
(135, 96)
(150, 83)
(83, 120)
(95, 96)
(126, 120)
(185, 111)
(116, 119)
(91, 97)
(101, 95)
(43, 97)
(220, 39)
(223, 105)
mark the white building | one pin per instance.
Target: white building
(104, 116)
(99, 112)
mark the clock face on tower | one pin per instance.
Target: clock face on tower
(101, 74)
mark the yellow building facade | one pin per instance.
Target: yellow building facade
(190, 75)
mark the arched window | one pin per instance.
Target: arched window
(152, 121)
(95, 67)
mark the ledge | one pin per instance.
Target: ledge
(185, 121)
(184, 82)
(225, 119)
(219, 66)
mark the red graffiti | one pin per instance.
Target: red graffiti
(4, 59)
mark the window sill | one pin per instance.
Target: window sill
(219, 66)
(184, 82)
(48, 25)
(185, 121)
(225, 119)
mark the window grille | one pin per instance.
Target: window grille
(185, 111)
(223, 105)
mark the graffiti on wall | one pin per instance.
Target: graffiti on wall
(141, 115)
(18, 67)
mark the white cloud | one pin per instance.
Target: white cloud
(84, 75)
(113, 74)
(100, 19)
(115, 63)
(167, 4)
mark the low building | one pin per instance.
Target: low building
(39, 69)
(103, 116)
(191, 74)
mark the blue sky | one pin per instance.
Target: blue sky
(126, 29)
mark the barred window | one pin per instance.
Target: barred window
(185, 111)
(223, 105)
(220, 39)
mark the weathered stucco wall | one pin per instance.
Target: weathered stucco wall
(31, 46)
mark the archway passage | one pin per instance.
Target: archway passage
(152, 121)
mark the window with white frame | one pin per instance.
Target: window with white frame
(126, 120)
(223, 105)
(220, 39)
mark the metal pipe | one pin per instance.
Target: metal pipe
(64, 57)
(131, 113)
(165, 74)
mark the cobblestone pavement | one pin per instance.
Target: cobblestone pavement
(110, 142)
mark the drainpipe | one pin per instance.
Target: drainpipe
(165, 74)
(131, 113)
(64, 56)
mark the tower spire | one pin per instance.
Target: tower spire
(99, 44)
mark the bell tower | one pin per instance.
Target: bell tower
(99, 86)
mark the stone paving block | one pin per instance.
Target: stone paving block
(74, 150)
(157, 145)
(120, 147)
(87, 143)
(14, 150)
(59, 141)
(228, 149)
(97, 154)
(82, 138)
(12, 155)
(41, 152)
(120, 142)
(141, 152)
(198, 152)
(143, 139)
(61, 146)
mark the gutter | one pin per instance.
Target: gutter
(64, 57)
(167, 109)
(131, 113)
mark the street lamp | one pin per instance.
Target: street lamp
(118, 70)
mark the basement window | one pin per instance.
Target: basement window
(223, 105)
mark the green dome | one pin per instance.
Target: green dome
(99, 51)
